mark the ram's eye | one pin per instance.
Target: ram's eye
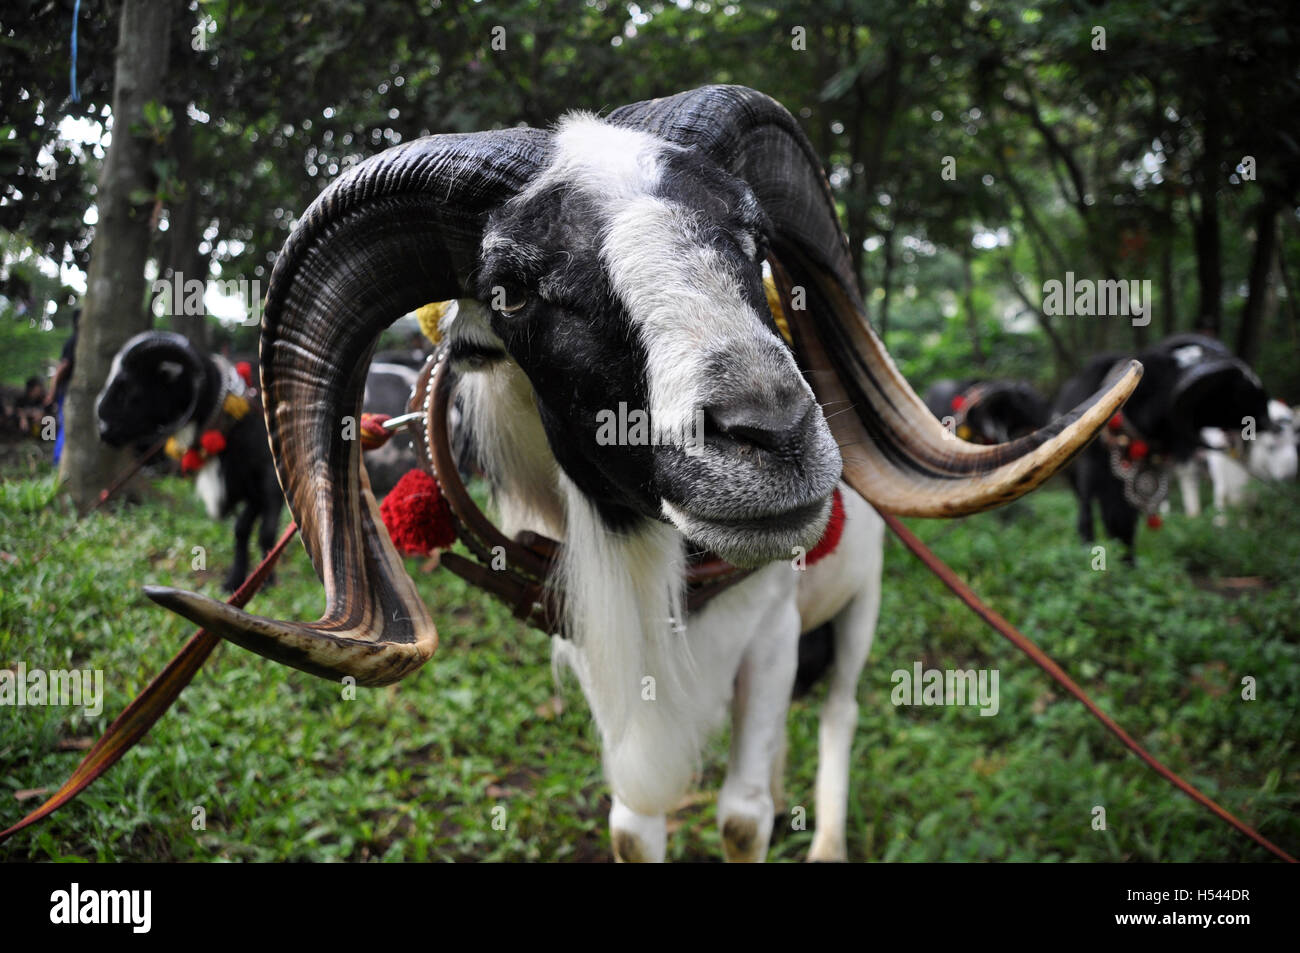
(508, 298)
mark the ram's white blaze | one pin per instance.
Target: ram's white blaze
(684, 301)
(686, 304)
(601, 160)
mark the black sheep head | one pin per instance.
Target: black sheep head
(1197, 382)
(153, 389)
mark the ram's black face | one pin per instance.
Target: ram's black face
(1007, 414)
(627, 284)
(146, 396)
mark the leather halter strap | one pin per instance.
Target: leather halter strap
(525, 580)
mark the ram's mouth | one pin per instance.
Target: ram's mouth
(113, 437)
(752, 539)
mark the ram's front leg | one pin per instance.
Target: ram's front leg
(758, 715)
(243, 530)
(637, 838)
(1189, 486)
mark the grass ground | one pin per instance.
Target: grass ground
(286, 769)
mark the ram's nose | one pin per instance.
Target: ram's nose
(768, 426)
(109, 434)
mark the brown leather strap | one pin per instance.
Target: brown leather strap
(517, 571)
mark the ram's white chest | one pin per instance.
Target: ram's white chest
(211, 488)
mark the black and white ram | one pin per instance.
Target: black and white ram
(1190, 382)
(984, 411)
(160, 386)
(618, 261)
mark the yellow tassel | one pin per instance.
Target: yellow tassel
(235, 406)
(429, 316)
(173, 448)
(778, 312)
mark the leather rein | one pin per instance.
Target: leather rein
(516, 571)
(524, 584)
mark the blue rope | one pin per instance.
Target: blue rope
(76, 15)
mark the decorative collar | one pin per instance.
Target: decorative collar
(231, 406)
(430, 509)
(962, 404)
(1144, 472)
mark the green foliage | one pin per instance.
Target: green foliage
(26, 350)
(286, 769)
(1067, 157)
(35, 313)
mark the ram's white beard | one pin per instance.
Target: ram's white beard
(624, 605)
(511, 446)
(623, 592)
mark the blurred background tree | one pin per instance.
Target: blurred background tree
(977, 149)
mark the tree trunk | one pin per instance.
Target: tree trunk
(1209, 268)
(114, 307)
(1168, 293)
(192, 263)
(968, 305)
(886, 284)
(184, 230)
(1261, 280)
(1209, 260)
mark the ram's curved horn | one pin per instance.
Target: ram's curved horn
(394, 233)
(896, 454)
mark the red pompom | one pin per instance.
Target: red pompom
(213, 441)
(1116, 422)
(416, 515)
(1138, 449)
(834, 530)
(373, 434)
(191, 461)
(245, 370)
(958, 402)
(1154, 521)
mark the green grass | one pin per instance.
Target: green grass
(286, 769)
